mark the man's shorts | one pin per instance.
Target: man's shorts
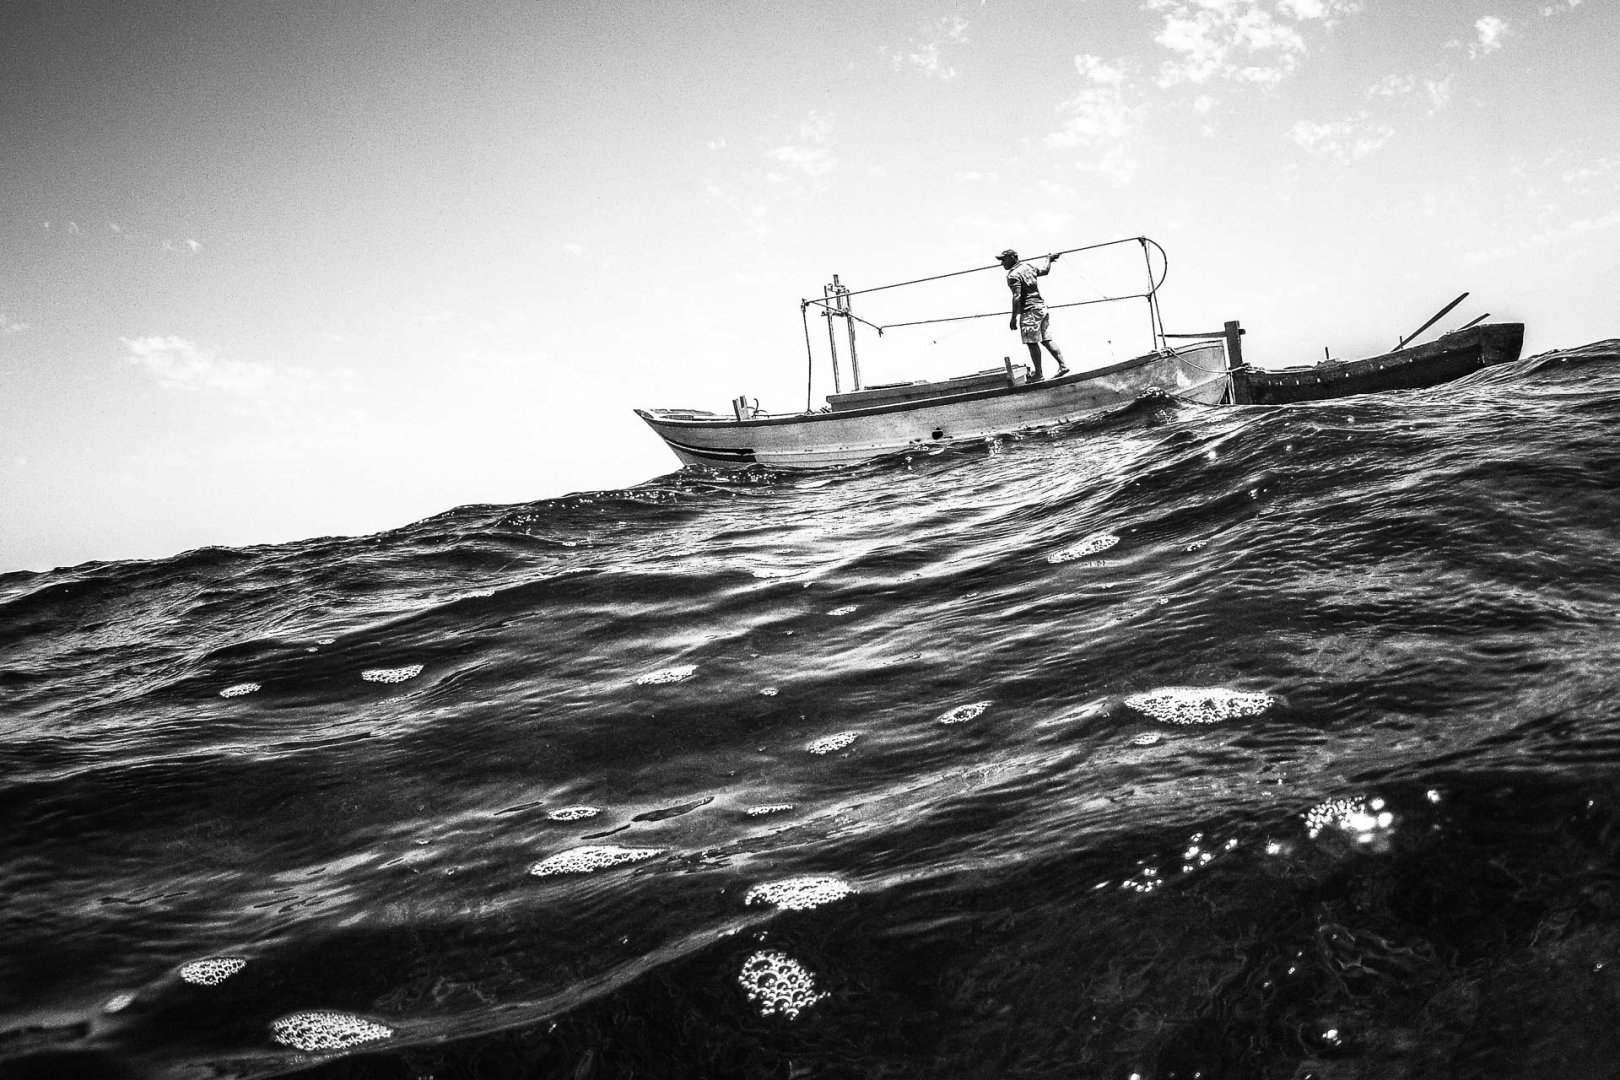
(1033, 324)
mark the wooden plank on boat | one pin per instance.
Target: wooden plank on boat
(993, 379)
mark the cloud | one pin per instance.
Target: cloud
(1490, 31)
(1393, 86)
(131, 234)
(1578, 175)
(8, 325)
(1437, 91)
(1101, 118)
(179, 364)
(187, 247)
(1558, 9)
(751, 216)
(1344, 141)
(1238, 40)
(1563, 234)
(809, 155)
(925, 54)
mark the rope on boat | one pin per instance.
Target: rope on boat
(1200, 367)
(809, 356)
(831, 314)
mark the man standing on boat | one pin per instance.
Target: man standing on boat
(1029, 315)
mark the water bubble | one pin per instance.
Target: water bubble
(118, 1003)
(239, 689)
(321, 1029)
(572, 813)
(587, 860)
(1353, 816)
(778, 984)
(800, 893)
(1199, 705)
(772, 808)
(833, 742)
(1091, 545)
(1144, 881)
(1147, 740)
(964, 712)
(211, 971)
(769, 691)
(847, 609)
(667, 675)
(393, 674)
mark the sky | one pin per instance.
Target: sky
(274, 270)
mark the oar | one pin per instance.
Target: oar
(1442, 313)
(1473, 322)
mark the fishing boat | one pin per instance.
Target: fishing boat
(1204, 368)
(1449, 357)
(871, 421)
(882, 420)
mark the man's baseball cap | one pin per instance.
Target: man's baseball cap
(1007, 253)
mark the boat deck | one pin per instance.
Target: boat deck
(1009, 375)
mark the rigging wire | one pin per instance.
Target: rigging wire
(1150, 294)
(1084, 280)
(992, 266)
(1003, 314)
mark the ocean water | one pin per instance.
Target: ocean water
(1184, 742)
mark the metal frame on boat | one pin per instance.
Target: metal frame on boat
(871, 421)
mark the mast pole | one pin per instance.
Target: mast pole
(829, 295)
(843, 307)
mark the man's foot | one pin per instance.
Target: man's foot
(1037, 377)
(1062, 371)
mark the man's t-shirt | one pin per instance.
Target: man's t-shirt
(1021, 278)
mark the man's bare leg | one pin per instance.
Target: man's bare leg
(1035, 361)
(1057, 354)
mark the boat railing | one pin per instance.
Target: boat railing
(834, 303)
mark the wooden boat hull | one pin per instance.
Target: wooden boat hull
(843, 436)
(1449, 357)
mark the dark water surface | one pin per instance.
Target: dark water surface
(1269, 742)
